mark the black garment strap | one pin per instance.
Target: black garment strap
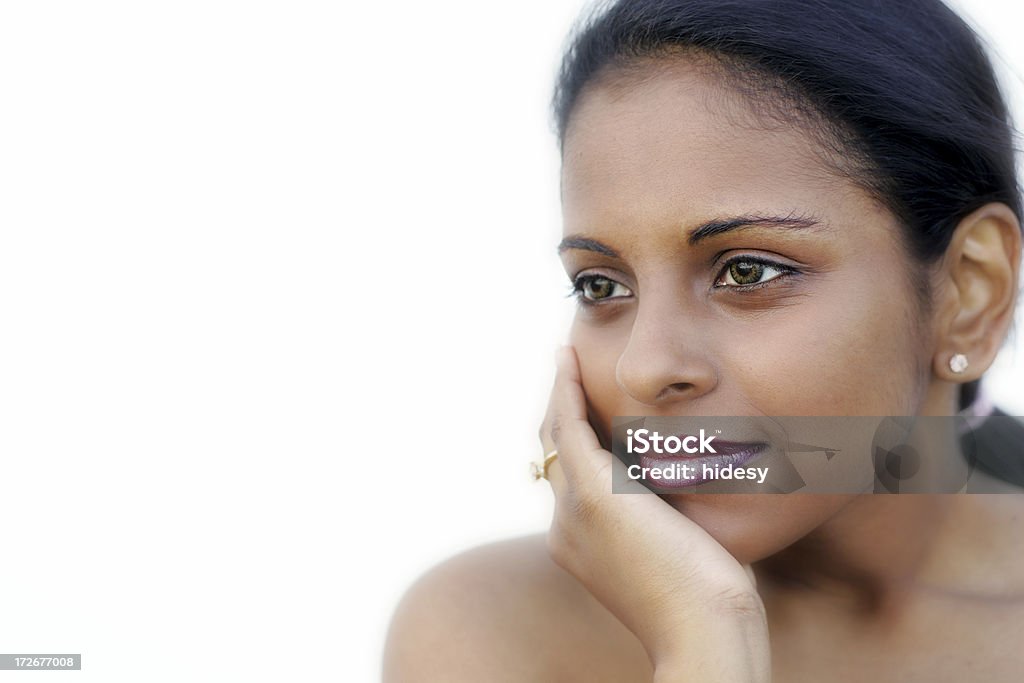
(998, 447)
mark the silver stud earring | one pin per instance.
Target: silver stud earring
(958, 363)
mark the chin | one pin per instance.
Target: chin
(753, 527)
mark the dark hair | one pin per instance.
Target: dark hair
(904, 89)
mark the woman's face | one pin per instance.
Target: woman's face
(725, 269)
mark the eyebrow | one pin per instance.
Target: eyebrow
(713, 228)
(587, 244)
(721, 226)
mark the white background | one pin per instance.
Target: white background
(246, 250)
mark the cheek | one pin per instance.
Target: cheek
(851, 349)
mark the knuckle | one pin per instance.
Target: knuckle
(559, 545)
(738, 602)
(556, 549)
(556, 426)
(602, 478)
(570, 548)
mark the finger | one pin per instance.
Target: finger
(556, 477)
(571, 431)
(584, 462)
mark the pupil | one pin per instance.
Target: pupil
(746, 273)
(600, 289)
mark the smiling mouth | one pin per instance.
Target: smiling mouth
(735, 453)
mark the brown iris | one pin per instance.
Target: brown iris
(746, 272)
(598, 288)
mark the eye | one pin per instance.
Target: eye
(749, 272)
(594, 288)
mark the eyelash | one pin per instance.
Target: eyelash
(784, 272)
(576, 288)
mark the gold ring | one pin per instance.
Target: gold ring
(540, 470)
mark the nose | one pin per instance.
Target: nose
(668, 358)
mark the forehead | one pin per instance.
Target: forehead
(678, 144)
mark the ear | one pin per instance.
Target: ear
(980, 281)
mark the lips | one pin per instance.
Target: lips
(735, 453)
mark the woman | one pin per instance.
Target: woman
(771, 208)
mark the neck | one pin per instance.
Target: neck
(881, 551)
(861, 555)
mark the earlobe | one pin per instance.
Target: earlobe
(982, 266)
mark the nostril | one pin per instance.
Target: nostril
(655, 369)
(676, 389)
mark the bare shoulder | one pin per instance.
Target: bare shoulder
(507, 612)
